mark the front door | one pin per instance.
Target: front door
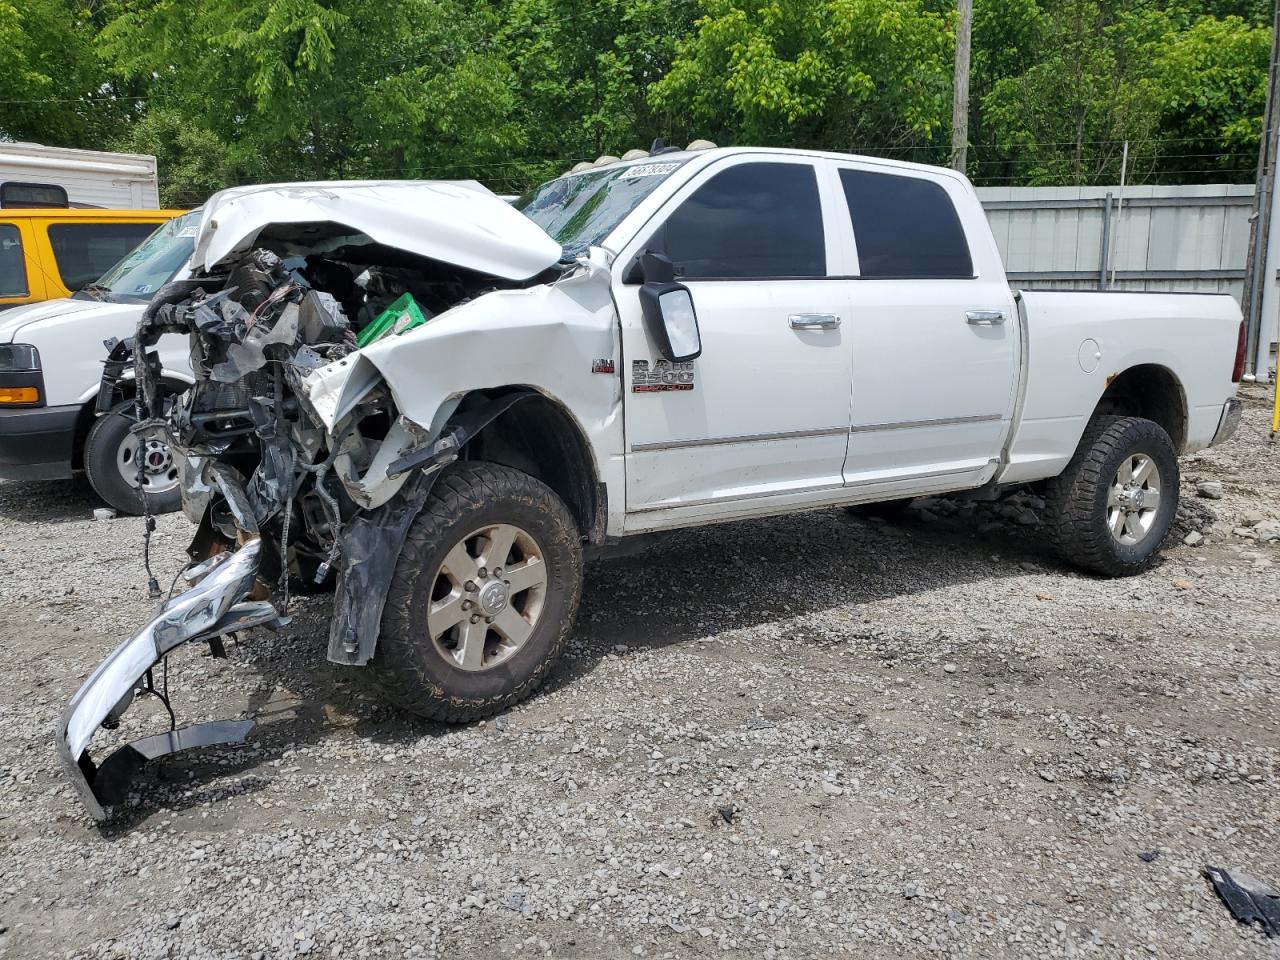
(764, 412)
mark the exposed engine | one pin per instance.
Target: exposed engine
(256, 332)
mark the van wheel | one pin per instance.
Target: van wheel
(1109, 511)
(112, 456)
(483, 596)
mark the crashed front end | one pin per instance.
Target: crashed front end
(297, 473)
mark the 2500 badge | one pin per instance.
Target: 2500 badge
(662, 376)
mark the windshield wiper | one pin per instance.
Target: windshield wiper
(95, 291)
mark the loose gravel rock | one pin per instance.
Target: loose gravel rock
(803, 736)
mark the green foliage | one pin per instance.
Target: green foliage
(514, 91)
(1211, 92)
(50, 69)
(830, 73)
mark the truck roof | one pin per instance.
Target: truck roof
(680, 156)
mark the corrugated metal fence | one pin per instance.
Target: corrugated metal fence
(1184, 238)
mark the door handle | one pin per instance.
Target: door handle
(984, 318)
(813, 321)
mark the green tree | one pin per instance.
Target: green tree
(1210, 84)
(53, 88)
(841, 74)
(1064, 118)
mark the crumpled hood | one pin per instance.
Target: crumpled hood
(14, 319)
(456, 222)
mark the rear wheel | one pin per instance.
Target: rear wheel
(483, 597)
(1111, 508)
(121, 465)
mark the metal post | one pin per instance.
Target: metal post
(1260, 223)
(1268, 293)
(960, 90)
(1124, 169)
(1106, 243)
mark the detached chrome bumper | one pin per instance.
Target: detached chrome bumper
(214, 606)
(1229, 421)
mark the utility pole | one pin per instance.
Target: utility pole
(960, 95)
(1260, 223)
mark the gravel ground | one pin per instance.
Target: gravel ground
(792, 737)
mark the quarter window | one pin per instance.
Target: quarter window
(753, 220)
(904, 227)
(13, 272)
(85, 251)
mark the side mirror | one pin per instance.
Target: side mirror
(668, 310)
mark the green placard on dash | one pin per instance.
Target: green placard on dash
(404, 314)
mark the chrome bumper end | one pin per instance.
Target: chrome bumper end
(215, 606)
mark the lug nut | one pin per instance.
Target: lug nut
(466, 604)
(483, 573)
(488, 619)
(497, 571)
(475, 618)
(470, 585)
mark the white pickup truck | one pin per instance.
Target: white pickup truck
(676, 340)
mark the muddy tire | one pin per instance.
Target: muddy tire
(111, 455)
(1109, 511)
(483, 597)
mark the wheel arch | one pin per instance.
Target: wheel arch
(1151, 391)
(540, 436)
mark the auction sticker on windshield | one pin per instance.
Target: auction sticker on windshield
(647, 170)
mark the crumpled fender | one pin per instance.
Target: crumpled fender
(372, 539)
(545, 337)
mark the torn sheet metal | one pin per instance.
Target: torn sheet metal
(211, 608)
(1250, 900)
(302, 455)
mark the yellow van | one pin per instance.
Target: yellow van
(50, 253)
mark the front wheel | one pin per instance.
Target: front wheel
(121, 465)
(1111, 508)
(483, 597)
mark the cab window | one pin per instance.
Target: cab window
(13, 272)
(751, 221)
(905, 228)
(85, 251)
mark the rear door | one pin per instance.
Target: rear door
(933, 329)
(764, 411)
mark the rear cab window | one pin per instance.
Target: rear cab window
(83, 252)
(905, 227)
(13, 271)
(752, 221)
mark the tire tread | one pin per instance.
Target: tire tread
(395, 668)
(1071, 497)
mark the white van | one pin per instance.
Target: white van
(51, 356)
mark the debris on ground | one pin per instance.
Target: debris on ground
(1250, 900)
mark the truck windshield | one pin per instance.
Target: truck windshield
(152, 264)
(582, 209)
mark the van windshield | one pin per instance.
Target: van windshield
(152, 264)
(582, 209)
